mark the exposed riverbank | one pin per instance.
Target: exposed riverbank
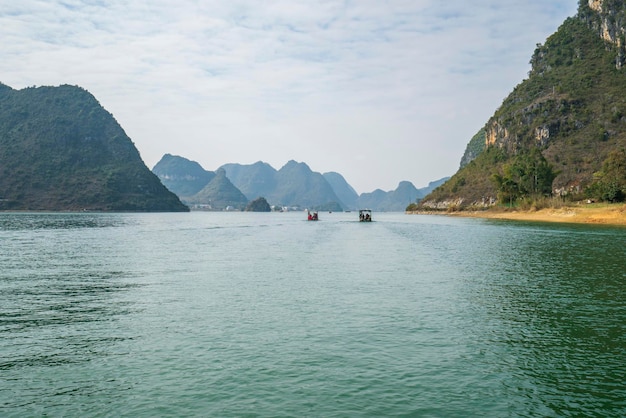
(588, 214)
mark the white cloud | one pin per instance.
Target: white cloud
(380, 91)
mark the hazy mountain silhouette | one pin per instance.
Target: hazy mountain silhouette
(219, 194)
(182, 176)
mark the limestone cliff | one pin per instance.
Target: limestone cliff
(608, 19)
(571, 108)
(550, 110)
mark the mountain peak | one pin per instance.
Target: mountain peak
(559, 125)
(71, 154)
(182, 176)
(291, 164)
(219, 194)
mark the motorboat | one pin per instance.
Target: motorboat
(365, 215)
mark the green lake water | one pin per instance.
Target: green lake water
(269, 315)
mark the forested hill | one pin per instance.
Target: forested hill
(61, 150)
(560, 132)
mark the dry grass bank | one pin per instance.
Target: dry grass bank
(604, 214)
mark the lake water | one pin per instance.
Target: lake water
(266, 314)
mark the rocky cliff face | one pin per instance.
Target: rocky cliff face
(608, 19)
(605, 17)
(541, 120)
(572, 108)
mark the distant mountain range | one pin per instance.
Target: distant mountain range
(294, 185)
(60, 150)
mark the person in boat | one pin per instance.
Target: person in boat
(310, 216)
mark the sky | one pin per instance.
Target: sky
(380, 91)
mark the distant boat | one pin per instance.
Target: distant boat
(312, 216)
(365, 215)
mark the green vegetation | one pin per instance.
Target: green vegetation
(475, 147)
(556, 130)
(472, 185)
(609, 183)
(526, 175)
(60, 150)
(258, 205)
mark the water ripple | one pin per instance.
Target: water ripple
(230, 315)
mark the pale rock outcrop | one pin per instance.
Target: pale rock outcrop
(610, 23)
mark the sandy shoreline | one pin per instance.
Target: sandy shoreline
(601, 215)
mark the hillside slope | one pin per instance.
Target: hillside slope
(295, 184)
(218, 194)
(60, 150)
(346, 194)
(255, 180)
(392, 201)
(182, 176)
(566, 119)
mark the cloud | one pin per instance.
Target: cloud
(380, 91)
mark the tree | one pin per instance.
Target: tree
(609, 183)
(527, 175)
(258, 205)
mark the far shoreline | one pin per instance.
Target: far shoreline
(601, 214)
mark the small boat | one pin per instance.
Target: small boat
(365, 215)
(313, 216)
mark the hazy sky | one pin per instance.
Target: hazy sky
(378, 90)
